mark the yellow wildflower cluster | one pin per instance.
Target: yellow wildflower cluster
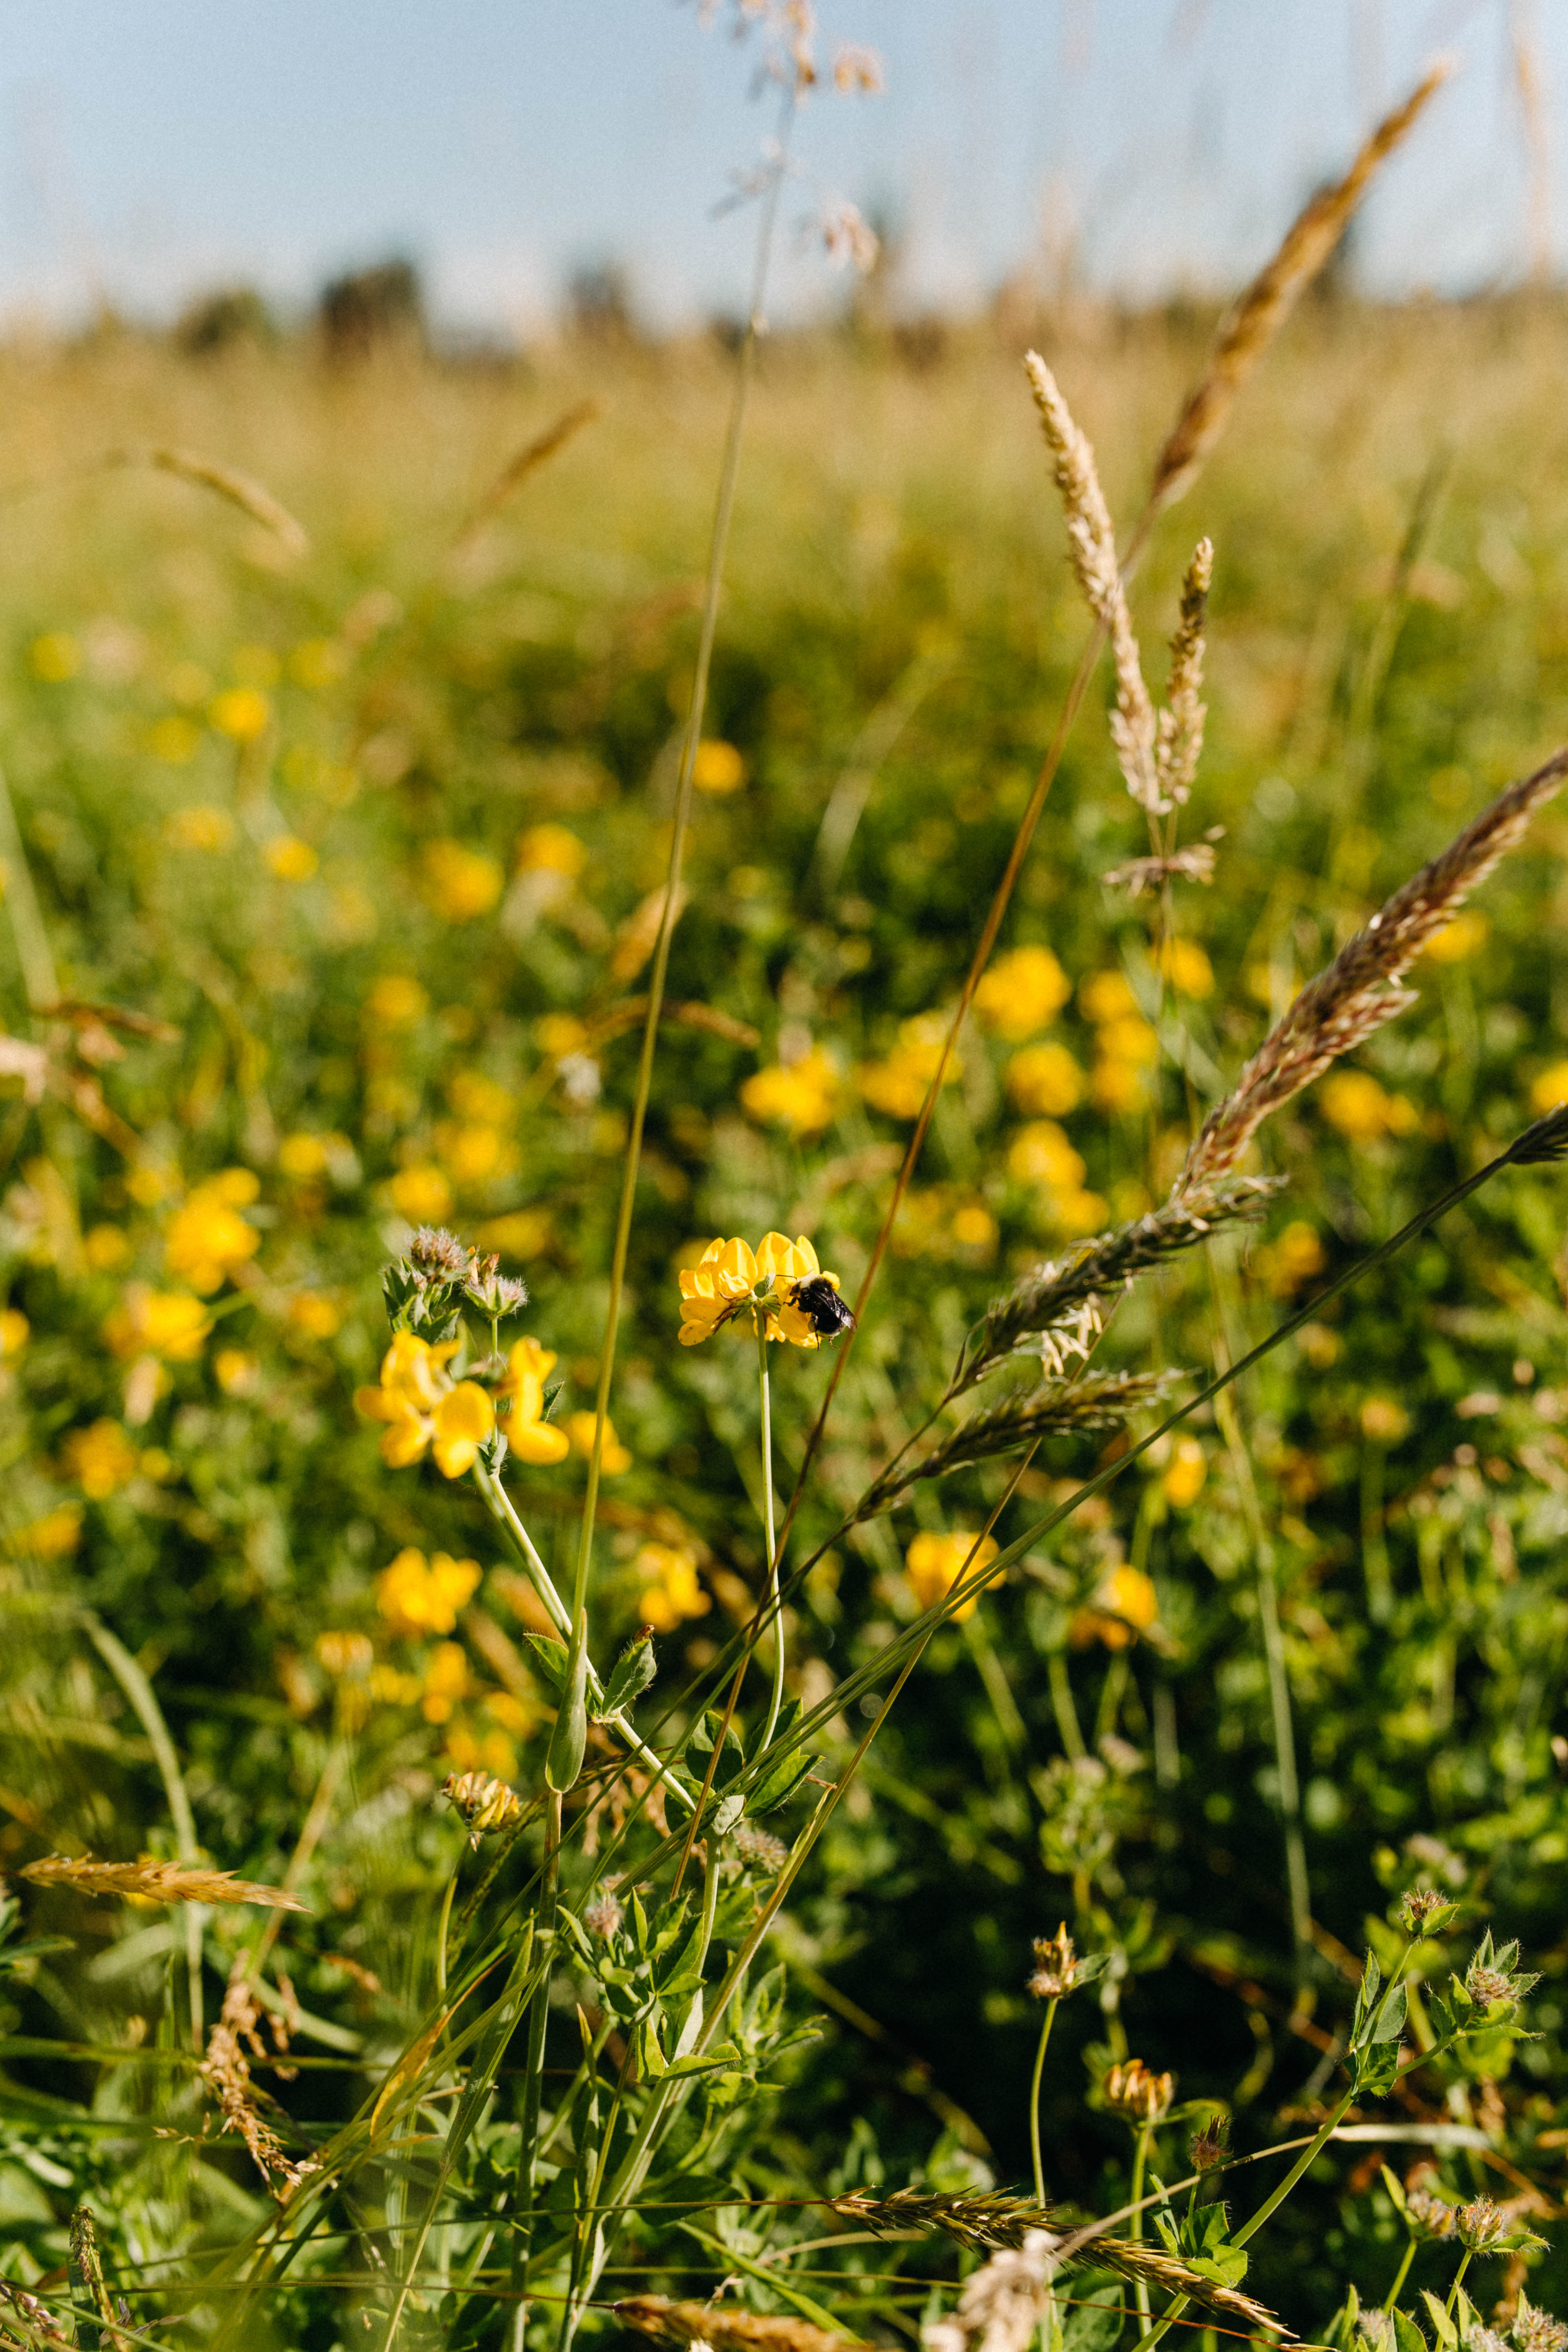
(551, 849)
(395, 1001)
(938, 1221)
(1045, 1081)
(799, 1096)
(1125, 1044)
(1021, 994)
(207, 1238)
(897, 1083)
(670, 1591)
(14, 1329)
(1041, 1154)
(934, 1564)
(1186, 1475)
(166, 1323)
(417, 1595)
(1124, 1605)
(201, 827)
(240, 712)
(614, 1457)
(100, 1459)
(54, 1537)
(422, 1193)
(729, 1280)
(460, 883)
(1463, 938)
(1357, 1106)
(290, 858)
(423, 1406)
(718, 768)
(1183, 963)
(1293, 1259)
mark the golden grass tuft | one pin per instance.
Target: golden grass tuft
(156, 1882)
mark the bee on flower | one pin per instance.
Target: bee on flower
(780, 1285)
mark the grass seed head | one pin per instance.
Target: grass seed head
(157, 1882)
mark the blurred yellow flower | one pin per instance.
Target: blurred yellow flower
(474, 1154)
(1382, 1421)
(314, 1316)
(973, 1227)
(1107, 996)
(460, 883)
(301, 1156)
(520, 1235)
(419, 1596)
(394, 1001)
(291, 859)
(421, 1407)
(54, 1537)
(53, 658)
(1182, 1483)
(1550, 1089)
(670, 1591)
(801, 1097)
(1023, 993)
(174, 740)
(14, 1329)
(717, 767)
(1045, 1081)
(446, 1677)
(202, 827)
(167, 1323)
(1294, 1258)
(551, 849)
(237, 1371)
(614, 1457)
(934, 1564)
(560, 1033)
(1116, 1086)
(1463, 936)
(1129, 1038)
(421, 1194)
(106, 1247)
(473, 1096)
(1352, 1102)
(1125, 1603)
(240, 712)
(345, 1653)
(897, 1083)
(207, 1239)
(529, 1434)
(100, 1459)
(1041, 1154)
(1185, 966)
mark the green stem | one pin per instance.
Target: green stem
(1135, 2227)
(1050, 2018)
(533, 2064)
(1062, 1707)
(775, 1613)
(1400, 2275)
(1373, 1543)
(441, 1932)
(1452, 2303)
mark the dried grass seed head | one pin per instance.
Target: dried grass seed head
(156, 1882)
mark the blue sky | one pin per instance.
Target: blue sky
(150, 148)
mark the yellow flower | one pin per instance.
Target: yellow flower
(1185, 966)
(1285, 1265)
(1116, 1086)
(207, 1239)
(1041, 1154)
(613, 1458)
(560, 1033)
(460, 883)
(240, 712)
(934, 1564)
(728, 1278)
(551, 849)
(1021, 993)
(421, 1194)
(1468, 932)
(670, 1591)
(446, 1675)
(53, 658)
(898, 1085)
(1129, 1038)
(301, 1157)
(1045, 1081)
(1354, 1103)
(344, 1652)
(168, 1323)
(106, 1247)
(418, 1596)
(100, 1459)
(801, 1097)
(1125, 1604)
(973, 1227)
(475, 1154)
(474, 1097)
(14, 1329)
(237, 1371)
(1382, 1421)
(1550, 1089)
(529, 1434)
(315, 1317)
(1107, 996)
(54, 1537)
(1182, 1481)
(291, 859)
(394, 1001)
(202, 827)
(421, 1407)
(717, 767)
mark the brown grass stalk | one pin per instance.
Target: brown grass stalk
(156, 1882)
(520, 466)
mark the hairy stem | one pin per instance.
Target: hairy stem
(1049, 2020)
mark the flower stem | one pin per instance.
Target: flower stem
(774, 1611)
(1400, 2275)
(1135, 2227)
(441, 1926)
(1050, 2018)
(1452, 2303)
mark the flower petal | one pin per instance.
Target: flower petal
(539, 1441)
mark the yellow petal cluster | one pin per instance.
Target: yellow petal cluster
(168, 1323)
(207, 1238)
(670, 1591)
(529, 1434)
(1021, 993)
(800, 1096)
(898, 1085)
(417, 1595)
(423, 1406)
(731, 1278)
(934, 1564)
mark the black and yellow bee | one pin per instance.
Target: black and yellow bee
(822, 1308)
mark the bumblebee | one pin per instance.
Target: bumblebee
(819, 1302)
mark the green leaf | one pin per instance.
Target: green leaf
(778, 1781)
(634, 1671)
(551, 1658)
(1407, 2337)
(728, 1813)
(564, 1761)
(1444, 2330)
(1391, 2024)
